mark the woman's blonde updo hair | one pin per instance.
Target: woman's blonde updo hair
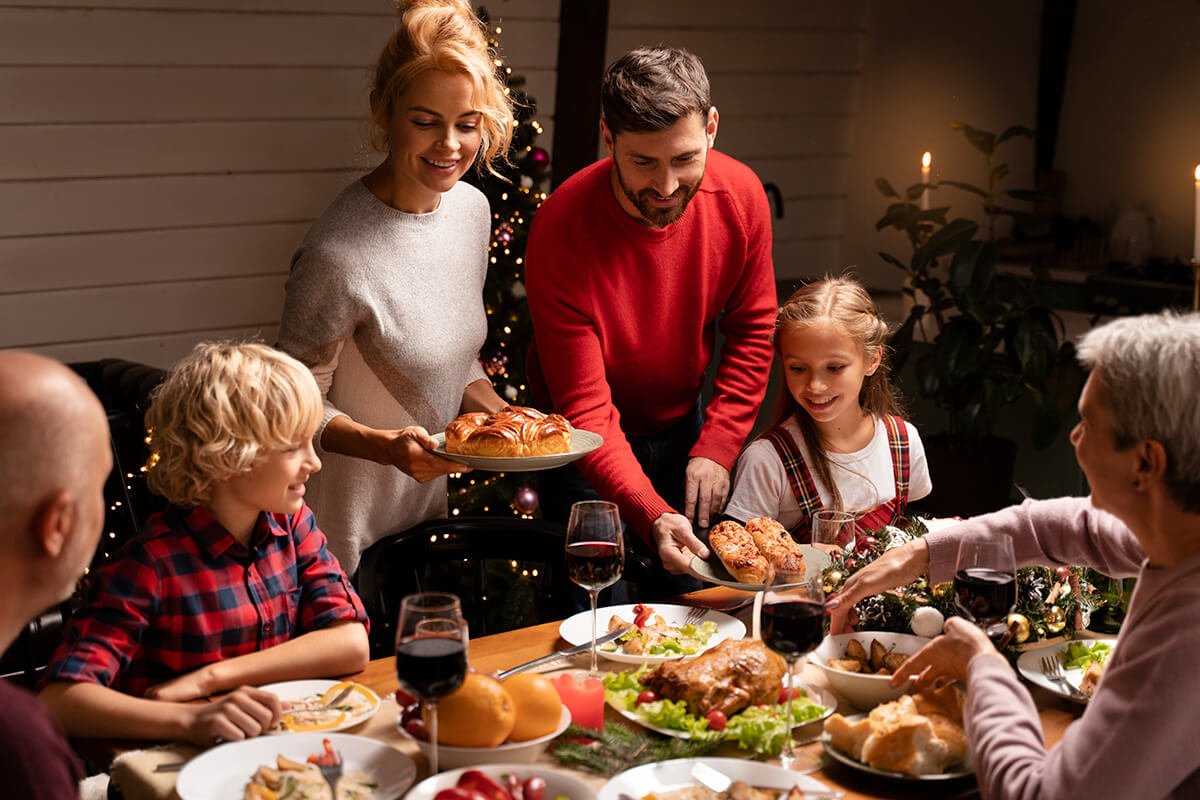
(444, 35)
(843, 301)
(220, 410)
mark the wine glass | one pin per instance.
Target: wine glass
(792, 620)
(431, 652)
(985, 581)
(595, 552)
(834, 527)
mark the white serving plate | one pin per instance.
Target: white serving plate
(577, 629)
(582, 443)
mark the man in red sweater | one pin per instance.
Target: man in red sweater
(632, 264)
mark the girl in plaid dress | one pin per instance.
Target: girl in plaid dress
(838, 441)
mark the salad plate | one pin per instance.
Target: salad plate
(1029, 664)
(359, 705)
(663, 776)
(961, 770)
(582, 443)
(676, 641)
(711, 570)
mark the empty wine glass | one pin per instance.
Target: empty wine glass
(838, 528)
(431, 653)
(985, 581)
(595, 552)
(792, 620)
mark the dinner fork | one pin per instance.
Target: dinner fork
(694, 615)
(330, 764)
(1053, 671)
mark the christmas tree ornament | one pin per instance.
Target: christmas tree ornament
(1063, 573)
(538, 159)
(1056, 619)
(833, 579)
(510, 392)
(1022, 623)
(851, 564)
(927, 621)
(518, 290)
(526, 500)
(865, 545)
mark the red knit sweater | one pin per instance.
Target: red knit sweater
(624, 320)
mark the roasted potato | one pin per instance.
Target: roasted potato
(846, 664)
(893, 661)
(854, 649)
(878, 652)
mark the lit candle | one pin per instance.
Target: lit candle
(926, 161)
(1196, 226)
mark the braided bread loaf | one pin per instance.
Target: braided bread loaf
(746, 550)
(512, 432)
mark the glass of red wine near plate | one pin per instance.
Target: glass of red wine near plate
(595, 553)
(985, 581)
(431, 653)
(792, 621)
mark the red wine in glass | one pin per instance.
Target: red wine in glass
(793, 628)
(594, 565)
(431, 666)
(983, 595)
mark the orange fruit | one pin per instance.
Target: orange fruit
(537, 703)
(480, 713)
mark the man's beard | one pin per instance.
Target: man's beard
(653, 215)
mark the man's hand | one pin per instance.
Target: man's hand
(675, 542)
(411, 451)
(242, 714)
(707, 489)
(894, 568)
(944, 660)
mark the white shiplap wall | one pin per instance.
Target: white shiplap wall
(160, 160)
(785, 79)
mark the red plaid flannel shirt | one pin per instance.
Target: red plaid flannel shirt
(184, 593)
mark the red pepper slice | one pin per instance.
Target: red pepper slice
(514, 786)
(483, 783)
(641, 615)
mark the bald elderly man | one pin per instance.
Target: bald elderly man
(54, 460)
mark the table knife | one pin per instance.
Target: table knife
(570, 651)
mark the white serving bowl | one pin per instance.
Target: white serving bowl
(450, 757)
(558, 782)
(861, 690)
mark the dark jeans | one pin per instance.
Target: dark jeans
(663, 458)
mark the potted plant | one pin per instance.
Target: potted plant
(989, 340)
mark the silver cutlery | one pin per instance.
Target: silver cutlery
(1052, 670)
(719, 782)
(570, 651)
(694, 615)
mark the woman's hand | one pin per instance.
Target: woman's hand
(242, 714)
(410, 450)
(894, 568)
(944, 660)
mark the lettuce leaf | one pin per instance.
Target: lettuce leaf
(1078, 655)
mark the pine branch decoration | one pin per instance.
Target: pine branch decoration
(617, 748)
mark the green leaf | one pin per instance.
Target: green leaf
(1034, 341)
(971, 272)
(886, 188)
(1015, 130)
(999, 173)
(981, 140)
(966, 187)
(1029, 195)
(899, 216)
(893, 261)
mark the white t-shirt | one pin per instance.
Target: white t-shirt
(865, 478)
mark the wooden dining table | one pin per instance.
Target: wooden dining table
(503, 650)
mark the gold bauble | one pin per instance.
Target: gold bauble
(1022, 623)
(1056, 620)
(832, 581)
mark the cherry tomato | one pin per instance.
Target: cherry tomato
(416, 729)
(483, 783)
(459, 793)
(716, 720)
(404, 699)
(535, 787)
(646, 696)
(783, 694)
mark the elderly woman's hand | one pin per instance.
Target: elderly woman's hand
(896, 567)
(410, 450)
(944, 660)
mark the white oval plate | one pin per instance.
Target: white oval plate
(1029, 664)
(961, 770)
(677, 774)
(559, 783)
(582, 443)
(223, 771)
(578, 629)
(712, 570)
(300, 690)
(821, 696)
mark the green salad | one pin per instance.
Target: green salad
(656, 640)
(761, 729)
(1078, 655)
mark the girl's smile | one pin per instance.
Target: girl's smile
(824, 367)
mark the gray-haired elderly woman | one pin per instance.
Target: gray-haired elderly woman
(1138, 442)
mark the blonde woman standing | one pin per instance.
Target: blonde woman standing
(384, 302)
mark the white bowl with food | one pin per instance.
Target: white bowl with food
(451, 757)
(557, 782)
(865, 688)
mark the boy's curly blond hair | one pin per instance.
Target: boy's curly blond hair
(220, 410)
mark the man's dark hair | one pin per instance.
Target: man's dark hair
(652, 88)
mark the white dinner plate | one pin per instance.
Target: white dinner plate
(712, 570)
(223, 771)
(1029, 664)
(960, 770)
(578, 629)
(816, 694)
(301, 690)
(582, 443)
(559, 783)
(676, 774)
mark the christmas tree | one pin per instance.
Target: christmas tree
(514, 196)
